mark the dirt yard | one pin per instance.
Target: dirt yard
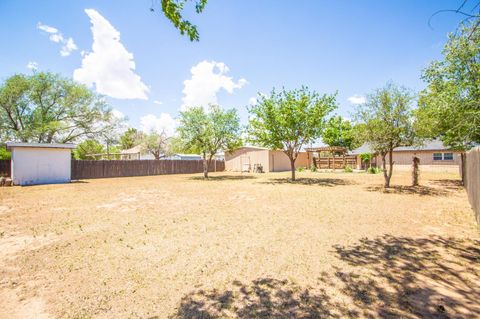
(330, 245)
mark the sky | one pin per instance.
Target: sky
(149, 72)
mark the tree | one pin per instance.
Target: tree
(47, 108)
(339, 132)
(172, 9)
(4, 154)
(87, 148)
(129, 138)
(156, 144)
(288, 120)
(449, 108)
(387, 123)
(208, 132)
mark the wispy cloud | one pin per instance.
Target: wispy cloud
(68, 45)
(158, 102)
(32, 65)
(357, 99)
(164, 123)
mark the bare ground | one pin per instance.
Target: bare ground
(333, 245)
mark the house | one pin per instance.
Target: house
(137, 153)
(248, 158)
(38, 163)
(433, 156)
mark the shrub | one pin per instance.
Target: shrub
(373, 170)
(313, 168)
(301, 169)
(348, 169)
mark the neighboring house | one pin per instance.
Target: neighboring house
(37, 163)
(246, 159)
(184, 157)
(433, 155)
(136, 153)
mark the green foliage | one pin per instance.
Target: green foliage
(172, 9)
(449, 107)
(366, 157)
(156, 144)
(46, 108)
(207, 133)
(348, 169)
(313, 168)
(129, 138)
(4, 154)
(288, 120)
(386, 122)
(339, 132)
(373, 170)
(87, 148)
(301, 169)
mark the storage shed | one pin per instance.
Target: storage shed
(37, 163)
(246, 159)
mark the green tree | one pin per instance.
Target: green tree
(156, 144)
(47, 108)
(129, 138)
(86, 149)
(4, 154)
(288, 120)
(208, 132)
(387, 123)
(449, 108)
(172, 9)
(339, 132)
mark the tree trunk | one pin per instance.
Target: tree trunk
(463, 163)
(292, 167)
(385, 174)
(205, 166)
(390, 168)
(415, 171)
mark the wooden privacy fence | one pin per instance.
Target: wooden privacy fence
(335, 162)
(5, 168)
(119, 168)
(472, 179)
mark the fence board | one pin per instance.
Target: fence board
(472, 179)
(86, 169)
(5, 168)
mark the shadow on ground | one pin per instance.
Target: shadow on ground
(384, 277)
(223, 178)
(409, 190)
(450, 184)
(329, 182)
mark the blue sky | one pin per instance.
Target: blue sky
(245, 47)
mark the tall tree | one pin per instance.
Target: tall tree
(172, 9)
(209, 131)
(449, 108)
(386, 122)
(288, 120)
(156, 144)
(129, 138)
(87, 150)
(46, 108)
(339, 132)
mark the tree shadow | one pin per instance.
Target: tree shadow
(384, 277)
(432, 277)
(409, 190)
(328, 182)
(223, 178)
(450, 184)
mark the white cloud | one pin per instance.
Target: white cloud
(252, 100)
(163, 123)
(32, 65)
(357, 99)
(109, 66)
(68, 45)
(158, 102)
(208, 78)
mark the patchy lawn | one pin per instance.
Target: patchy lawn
(240, 246)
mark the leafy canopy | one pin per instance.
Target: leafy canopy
(46, 108)
(289, 119)
(130, 138)
(156, 144)
(449, 107)
(86, 149)
(339, 132)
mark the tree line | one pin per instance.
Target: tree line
(46, 108)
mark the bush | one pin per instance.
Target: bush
(301, 169)
(4, 154)
(348, 169)
(313, 168)
(373, 170)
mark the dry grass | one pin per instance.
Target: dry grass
(240, 246)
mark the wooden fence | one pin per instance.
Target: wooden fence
(335, 162)
(472, 179)
(119, 168)
(5, 168)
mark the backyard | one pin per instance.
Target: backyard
(240, 246)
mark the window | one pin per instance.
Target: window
(448, 156)
(443, 156)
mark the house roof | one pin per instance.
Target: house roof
(134, 150)
(431, 145)
(11, 145)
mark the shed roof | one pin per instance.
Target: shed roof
(11, 145)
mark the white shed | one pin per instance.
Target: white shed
(37, 163)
